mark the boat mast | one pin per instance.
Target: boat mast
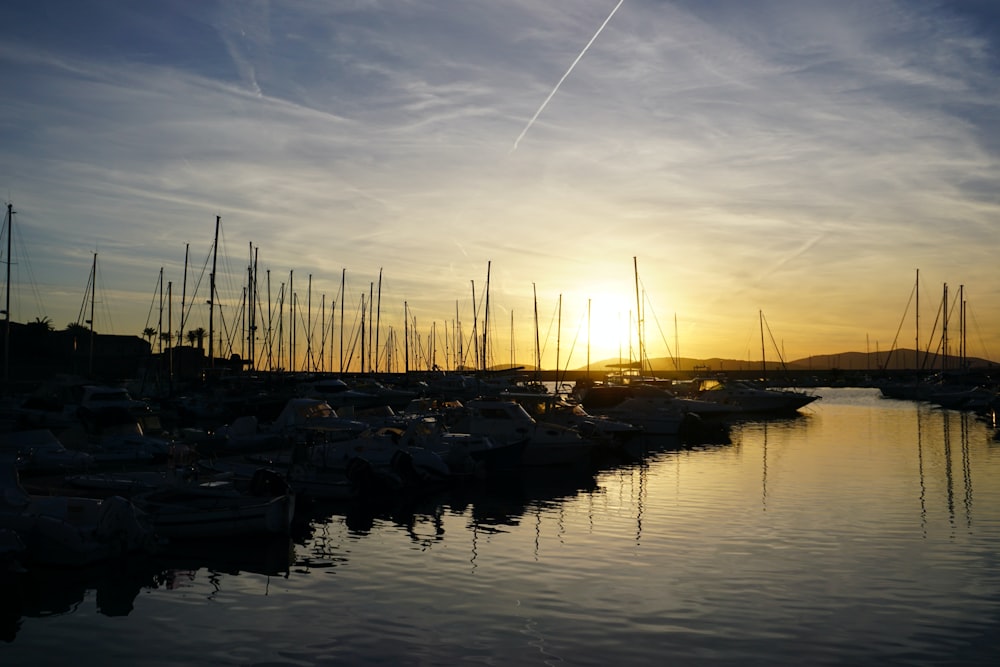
(159, 322)
(459, 359)
(406, 339)
(588, 339)
(170, 348)
(6, 310)
(486, 316)
(638, 315)
(763, 362)
(211, 295)
(378, 316)
(93, 290)
(944, 328)
(371, 323)
(558, 340)
(475, 325)
(253, 308)
(309, 329)
(343, 301)
(187, 247)
(961, 327)
(916, 343)
(538, 347)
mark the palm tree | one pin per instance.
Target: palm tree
(77, 329)
(41, 326)
(150, 333)
(197, 336)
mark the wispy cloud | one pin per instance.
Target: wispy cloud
(755, 156)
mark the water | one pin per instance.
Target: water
(864, 531)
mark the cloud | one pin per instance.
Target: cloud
(752, 157)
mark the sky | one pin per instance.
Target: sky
(696, 165)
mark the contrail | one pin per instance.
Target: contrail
(545, 103)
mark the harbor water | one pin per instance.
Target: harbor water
(861, 531)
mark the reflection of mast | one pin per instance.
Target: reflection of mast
(763, 492)
(966, 469)
(920, 470)
(640, 501)
(949, 478)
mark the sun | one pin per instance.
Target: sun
(607, 331)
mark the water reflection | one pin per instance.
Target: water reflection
(848, 532)
(936, 454)
(43, 592)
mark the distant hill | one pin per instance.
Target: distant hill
(874, 361)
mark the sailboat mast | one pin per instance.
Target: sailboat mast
(378, 317)
(538, 347)
(343, 302)
(486, 316)
(170, 347)
(406, 338)
(763, 363)
(588, 339)
(187, 248)
(638, 315)
(944, 328)
(211, 295)
(93, 290)
(475, 325)
(159, 322)
(916, 343)
(6, 310)
(309, 329)
(558, 339)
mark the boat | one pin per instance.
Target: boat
(554, 409)
(218, 509)
(506, 421)
(39, 451)
(464, 453)
(655, 415)
(69, 530)
(746, 398)
(317, 417)
(384, 451)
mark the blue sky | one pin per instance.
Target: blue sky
(799, 158)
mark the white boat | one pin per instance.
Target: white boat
(465, 453)
(745, 398)
(655, 415)
(40, 451)
(220, 511)
(316, 416)
(384, 450)
(553, 409)
(507, 421)
(66, 530)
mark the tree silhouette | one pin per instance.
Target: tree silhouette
(40, 327)
(77, 329)
(150, 333)
(197, 336)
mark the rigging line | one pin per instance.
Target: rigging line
(152, 301)
(895, 340)
(22, 251)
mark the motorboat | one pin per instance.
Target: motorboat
(746, 398)
(506, 421)
(188, 511)
(69, 530)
